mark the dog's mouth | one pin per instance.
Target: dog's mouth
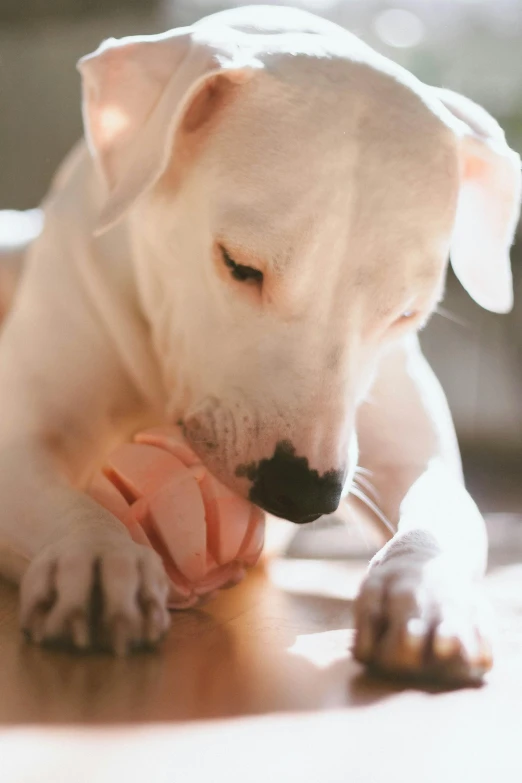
(300, 520)
(282, 483)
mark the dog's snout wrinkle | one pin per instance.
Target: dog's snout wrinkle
(286, 486)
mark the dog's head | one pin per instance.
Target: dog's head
(293, 199)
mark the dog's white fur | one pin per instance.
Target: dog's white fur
(308, 156)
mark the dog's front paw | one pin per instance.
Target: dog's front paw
(95, 591)
(421, 620)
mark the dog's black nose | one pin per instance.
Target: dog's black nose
(285, 485)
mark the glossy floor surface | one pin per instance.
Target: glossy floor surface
(260, 685)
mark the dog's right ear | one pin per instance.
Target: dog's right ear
(136, 92)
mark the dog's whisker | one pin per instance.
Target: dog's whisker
(452, 317)
(364, 484)
(368, 502)
(365, 471)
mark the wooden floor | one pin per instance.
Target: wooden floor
(258, 686)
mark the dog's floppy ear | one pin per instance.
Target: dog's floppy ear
(136, 91)
(488, 205)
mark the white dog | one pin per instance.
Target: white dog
(257, 227)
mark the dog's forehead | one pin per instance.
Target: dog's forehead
(312, 147)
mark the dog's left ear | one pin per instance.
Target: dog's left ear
(137, 91)
(488, 206)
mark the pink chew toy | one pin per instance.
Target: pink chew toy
(205, 534)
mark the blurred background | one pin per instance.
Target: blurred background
(472, 46)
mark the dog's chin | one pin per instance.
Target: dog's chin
(297, 521)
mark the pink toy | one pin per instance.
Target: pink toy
(206, 535)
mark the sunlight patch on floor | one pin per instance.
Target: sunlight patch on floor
(317, 577)
(323, 649)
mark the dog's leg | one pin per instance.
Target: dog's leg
(419, 610)
(83, 580)
(65, 400)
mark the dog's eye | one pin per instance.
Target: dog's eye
(240, 271)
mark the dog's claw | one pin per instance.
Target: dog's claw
(446, 642)
(80, 632)
(120, 637)
(155, 623)
(37, 630)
